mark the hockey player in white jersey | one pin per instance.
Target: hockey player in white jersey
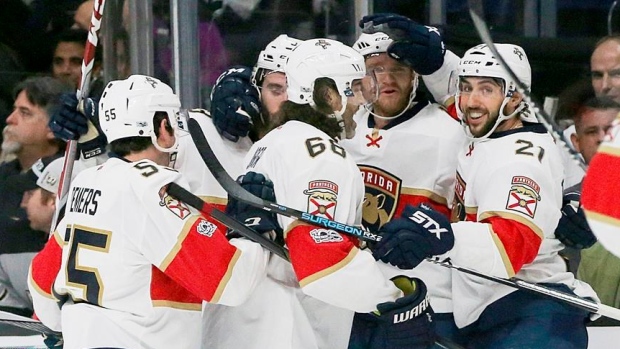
(129, 265)
(508, 200)
(310, 303)
(404, 125)
(233, 96)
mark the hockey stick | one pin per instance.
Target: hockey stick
(236, 191)
(571, 299)
(27, 323)
(204, 207)
(87, 68)
(476, 11)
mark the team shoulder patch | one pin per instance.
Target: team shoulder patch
(322, 198)
(206, 228)
(174, 205)
(321, 235)
(523, 196)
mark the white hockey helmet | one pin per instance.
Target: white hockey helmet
(479, 61)
(127, 108)
(376, 43)
(369, 44)
(319, 58)
(273, 58)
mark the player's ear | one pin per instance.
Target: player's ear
(516, 98)
(575, 141)
(165, 134)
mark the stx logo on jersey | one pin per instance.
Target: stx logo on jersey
(205, 228)
(322, 198)
(413, 313)
(381, 196)
(427, 222)
(175, 206)
(523, 196)
(325, 235)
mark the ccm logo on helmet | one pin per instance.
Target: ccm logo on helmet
(471, 62)
(428, 223)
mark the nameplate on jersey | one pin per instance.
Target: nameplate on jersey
(382, 192)
(523, 196)
(172, 204)
(322, 198)
(85, 200)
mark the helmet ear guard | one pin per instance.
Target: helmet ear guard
(127, 108)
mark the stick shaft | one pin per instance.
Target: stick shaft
(82, 92)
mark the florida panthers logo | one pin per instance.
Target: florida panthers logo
(324, 44)
(174, 205)
(322, 198)
(523, 196)
(380, 198)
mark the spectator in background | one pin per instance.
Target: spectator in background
(30, 139)
(570, 103)
(83, 14)
(67, 56)
(67, 60)
(592, 120)
(8, 148)
(605, 67)
(39, 186)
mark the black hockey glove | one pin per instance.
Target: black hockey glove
(573, 229)
(235, 103)
(417, 45)
(261, 221)
(405, 323)
(68, 123)
(419, 233)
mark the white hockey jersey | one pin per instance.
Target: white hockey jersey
(130, 264)
(508, 199)
(310, 305)
(190, 164)
(600, 190)
(410, 162)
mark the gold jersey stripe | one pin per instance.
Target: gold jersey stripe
(334, 268)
